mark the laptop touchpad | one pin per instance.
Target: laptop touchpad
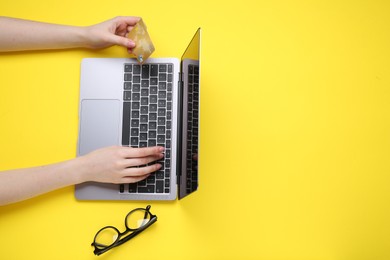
(99, 124)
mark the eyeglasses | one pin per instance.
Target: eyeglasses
(109, 237)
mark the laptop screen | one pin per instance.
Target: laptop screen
(190, 67)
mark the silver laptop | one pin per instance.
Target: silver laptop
(156, 103)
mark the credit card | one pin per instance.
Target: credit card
(143, 44)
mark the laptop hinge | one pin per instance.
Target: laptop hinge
(179, 128)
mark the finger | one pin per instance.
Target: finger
(136, 172)
(143, 160)
(129, 152)
(121, 41)
(134, 179)
(129, 28)
(129, 20)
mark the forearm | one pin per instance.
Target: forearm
(21, 35)
(21, 184)
(114, 164)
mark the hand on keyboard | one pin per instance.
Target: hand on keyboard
(119, 164)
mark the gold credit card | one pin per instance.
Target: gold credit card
(143, 44)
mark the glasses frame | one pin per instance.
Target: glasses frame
(119, 241)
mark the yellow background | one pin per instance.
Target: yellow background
(295, 140)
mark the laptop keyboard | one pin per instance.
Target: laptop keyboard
(147, 119)
(192, 128)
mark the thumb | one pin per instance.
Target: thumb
(122, 41)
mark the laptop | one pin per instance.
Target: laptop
(126, 103)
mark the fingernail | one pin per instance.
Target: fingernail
(131, 44)
(161, 149)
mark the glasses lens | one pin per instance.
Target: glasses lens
(137, 219)
(106, 237)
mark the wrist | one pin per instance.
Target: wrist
(78, 170)
(81, 36)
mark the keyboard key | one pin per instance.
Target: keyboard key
(136, 96)
(144, 109)
(134, 131)
(128, 76)
(137, 69)
(143, 128)
(153, 116)
(161, 112)
(162, 68)
(137, 79)
(161, 130)
(160, 139)
(126, 124)
(127, 85)
(134, 123)
(134, 141)
(145, 71)
(153, 70)
(153, 81)
(162, 86)
(136, 87)
(152, 134)
(127, 96)
(145, 83)
(144, 101)
(135, 105)
(151, 179)
(161, 121)
(153, 90)
(159, 186)
(144, 92)
(153, 107)
(142, 183)
(153, 99)
(132, 187)
(162, 77)
(144, 118)
(162, 94)
(159, 175)
(147, 189)
(152, 125)
(128, 68)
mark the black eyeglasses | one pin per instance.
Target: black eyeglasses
(109, 237)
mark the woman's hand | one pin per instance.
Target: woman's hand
(119, 164)
(111, 32)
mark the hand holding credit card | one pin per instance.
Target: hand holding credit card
(143, 44)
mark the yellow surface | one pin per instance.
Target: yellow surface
(295, 144)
